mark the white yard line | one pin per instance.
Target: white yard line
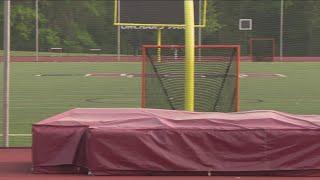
(19, 135)
(281, 75)
(243, 75)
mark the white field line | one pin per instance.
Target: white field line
(281, 75)
(243, 75)
(19, 135)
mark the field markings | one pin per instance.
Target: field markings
(281, 75)
(18, 135)
(243, 75)
(125, 75)
(262, 75)
(131, 75)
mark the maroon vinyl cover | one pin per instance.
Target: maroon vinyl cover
(162, 142)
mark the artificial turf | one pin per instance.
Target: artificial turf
(34, 98)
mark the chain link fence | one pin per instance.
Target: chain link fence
(83, 31)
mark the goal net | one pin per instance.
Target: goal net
(262, 49)
(216, 77)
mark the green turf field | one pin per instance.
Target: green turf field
(36, 97)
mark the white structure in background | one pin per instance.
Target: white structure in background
(245, 24)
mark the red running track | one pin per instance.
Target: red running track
(16, 164)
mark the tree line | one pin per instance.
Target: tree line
(79, 25)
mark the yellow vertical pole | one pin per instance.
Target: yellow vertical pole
(159, 42)
(189, 54)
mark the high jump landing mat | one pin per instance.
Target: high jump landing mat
(129, 141)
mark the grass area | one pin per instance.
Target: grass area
(298, 93)
(34, 98)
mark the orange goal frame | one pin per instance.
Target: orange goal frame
(273, 40)
(235, 47)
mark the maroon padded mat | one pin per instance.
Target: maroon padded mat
(165, 142)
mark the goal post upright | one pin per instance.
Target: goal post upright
(191, 16)
(159, 42)
(189, 55)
